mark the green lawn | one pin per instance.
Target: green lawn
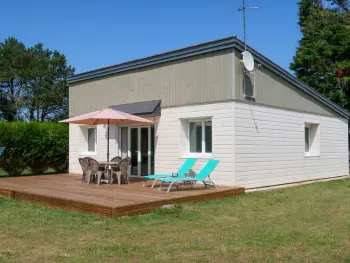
(27, 172)
(309, 223)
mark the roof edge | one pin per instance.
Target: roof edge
(190, 51)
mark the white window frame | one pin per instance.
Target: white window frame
(314, 140)
(87, 140)
(202, 154)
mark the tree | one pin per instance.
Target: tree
(33, 82)
(342, 5)
(322, 59)
(13, 64)
(47, 91)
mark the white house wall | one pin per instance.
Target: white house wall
(171, 142)
(78, 145)
(269, 147)
(256, 145)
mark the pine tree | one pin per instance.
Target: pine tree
(322, 59)
(14, 62)
(33, 82)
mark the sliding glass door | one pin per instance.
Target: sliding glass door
(138, 144)
(134, 138)
(144, 151)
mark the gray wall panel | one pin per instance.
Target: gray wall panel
(270, 89)
(199, 79)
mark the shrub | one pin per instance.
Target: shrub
(35, 146)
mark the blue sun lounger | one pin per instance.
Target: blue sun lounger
(201, 176)
(185, 168)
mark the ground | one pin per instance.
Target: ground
(309, 223)
(27, 172)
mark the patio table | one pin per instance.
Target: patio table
(107, 166)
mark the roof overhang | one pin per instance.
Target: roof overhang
(217, 45)
(149, 108)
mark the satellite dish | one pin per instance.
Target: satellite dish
(248, 61)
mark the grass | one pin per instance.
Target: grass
(28, 172)
(309, 223)
(2, 173)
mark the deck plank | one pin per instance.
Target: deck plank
(67, 192)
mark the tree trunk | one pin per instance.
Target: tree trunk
(12, 106)
(43, 115)
(32, 106)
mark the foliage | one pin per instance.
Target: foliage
(33, 145)
(14, 61)
(322, 59)
(307, 223)
(341, 5)
(33, 82)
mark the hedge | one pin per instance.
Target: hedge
(34, 146)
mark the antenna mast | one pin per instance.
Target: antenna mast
(243, 8)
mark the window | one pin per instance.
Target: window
(248, 85)
(200, 136)
(307, 139)
(312, 139)
(91, 139)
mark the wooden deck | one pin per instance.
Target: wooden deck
(67, 192)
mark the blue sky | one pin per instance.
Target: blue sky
(95, 34)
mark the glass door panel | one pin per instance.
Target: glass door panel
(134, 150)
(138, 144)
(144, 151)
(152, 150)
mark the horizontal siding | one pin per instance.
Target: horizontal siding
(169, 145)
(170, 150)
(269, 147)
(78, 145)
(200, 79)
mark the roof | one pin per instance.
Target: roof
(216, 45)
(144, 108)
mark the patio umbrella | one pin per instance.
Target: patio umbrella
(107, 116)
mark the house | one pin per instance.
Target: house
(266, 127)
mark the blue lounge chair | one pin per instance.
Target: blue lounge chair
(185, 168)
(201, 176)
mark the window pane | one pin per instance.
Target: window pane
(144, 151)
(195, 137)
(91, 139)
(152, 150)
(134, 137)
(208, 136)
(307, 139)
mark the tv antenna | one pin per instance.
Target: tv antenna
(243, 8)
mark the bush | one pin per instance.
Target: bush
(35, 146)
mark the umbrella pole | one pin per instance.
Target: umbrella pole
(108, 141)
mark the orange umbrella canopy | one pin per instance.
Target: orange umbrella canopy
(107, 116)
